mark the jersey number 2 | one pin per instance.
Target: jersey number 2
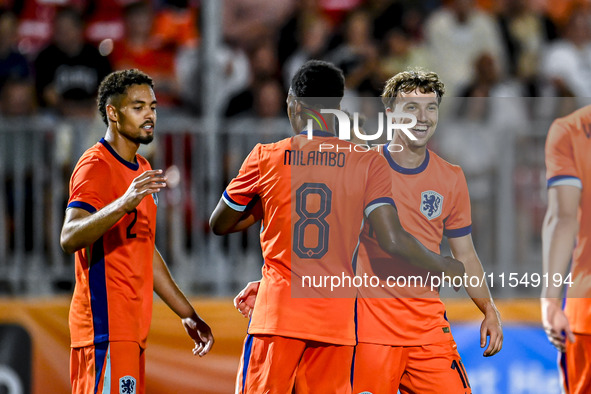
(130, 227)
(307, 218)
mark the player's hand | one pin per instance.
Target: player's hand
(453, 267)
(492, 329)
(556, 323)
(201, 334)
(244, 301)
(149, 182)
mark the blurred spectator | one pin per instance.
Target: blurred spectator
(400, 53)
(247, 22)
(269, 99)
(69, 70)
(36, 21)
(313, 42)
(12, 63)
(290, 34)
(561, 11)
(405, 15)
(105, 22)
(264, 65)
(477, 103)
(176, 24)
(266, 118)
(456, 36)
(487, 81)
(337, 10)
(567, 63)
(357, 55)
(141, 48)
(264, 62)
(525, 32)
(234, 68)
(17, 98)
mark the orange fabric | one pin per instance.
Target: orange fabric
(269, 365)
(430, 369)
(112, 298)
(83, 371)
(177, 27)
(290, 186)
(575, 366)
(125, 55)
(432, 201)
(120, 363)
(561, 11)
(568, 163)
(154, 59)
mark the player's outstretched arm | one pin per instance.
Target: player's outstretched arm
(82, 229)
(394, 240)
(169, 292)
(462, 249)
(225, 220)
(559, 233)
(244, 301)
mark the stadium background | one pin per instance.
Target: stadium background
(222, 70)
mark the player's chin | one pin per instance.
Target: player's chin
(421, 138)
(145, 139)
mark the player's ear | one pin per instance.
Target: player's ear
(111, 113)
(298, 107)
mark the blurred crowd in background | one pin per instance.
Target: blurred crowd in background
(54, 53)
(511, 58)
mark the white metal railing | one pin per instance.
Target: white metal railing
(37, 156)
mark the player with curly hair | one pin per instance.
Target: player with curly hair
(110, 225)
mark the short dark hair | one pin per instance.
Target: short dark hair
(319, 84)
(116, 84)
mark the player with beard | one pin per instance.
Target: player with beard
(110, 224)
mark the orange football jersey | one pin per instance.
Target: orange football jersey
(315, 199)
(432, 201)
(568, 162)
(112, 298)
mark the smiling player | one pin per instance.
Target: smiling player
(404, 330)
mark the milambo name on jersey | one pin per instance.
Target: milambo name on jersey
(295, 157)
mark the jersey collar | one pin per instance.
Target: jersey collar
(318, 133)
(403, 170)
(128, 164)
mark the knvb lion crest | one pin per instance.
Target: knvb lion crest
(127, 385)
(431, 204)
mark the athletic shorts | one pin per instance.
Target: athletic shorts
(109, 367)
(277, 365)
(429, 369)
(575, 367)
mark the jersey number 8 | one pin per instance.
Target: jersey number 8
(307, 218)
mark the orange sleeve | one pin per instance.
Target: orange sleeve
(459, 221)
(244, 188)
(560, 162)
(379, 185)
(87, 186)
